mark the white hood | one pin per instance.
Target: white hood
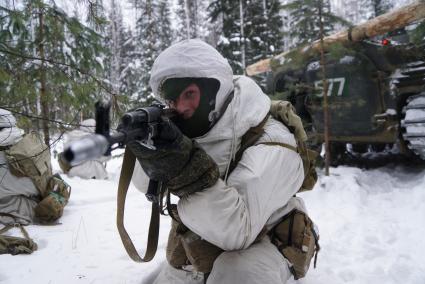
(247, 109)
(195, 58)
(7, 119)
(192, 58)
(249, 106)
(10, 134)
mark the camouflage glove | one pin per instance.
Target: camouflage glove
(178, 161)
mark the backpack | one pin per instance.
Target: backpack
(30, 157)
(284, 112)
(296, 236)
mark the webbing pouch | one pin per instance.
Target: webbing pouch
(297, 238)
(187, 248)
(51, 207)
(200, 253)
(176, 255)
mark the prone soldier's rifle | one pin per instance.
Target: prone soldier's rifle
(141, 125)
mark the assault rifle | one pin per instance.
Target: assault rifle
(140, 124)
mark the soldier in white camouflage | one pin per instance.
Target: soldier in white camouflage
(18, 195)
(223, 209)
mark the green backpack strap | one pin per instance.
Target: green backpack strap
(251, 137)
(15, 245)
(125, 178)
(248, 140)
(284, 145)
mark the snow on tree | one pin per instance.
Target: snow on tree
(165, 34)
(303, 20)
(380, 7)
(48, 62)
(191, 19)
(115, 39)
(250, 30)
(151, 37)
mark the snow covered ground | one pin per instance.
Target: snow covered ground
(372, 226)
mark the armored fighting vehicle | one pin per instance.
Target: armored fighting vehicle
(376, 88)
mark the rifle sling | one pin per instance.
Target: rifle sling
(248, 140)
(125, 177)
(284, 145)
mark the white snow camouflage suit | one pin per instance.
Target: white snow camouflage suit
(18, 195)
(258, 192)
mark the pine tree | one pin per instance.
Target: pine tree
(163, 19)
(188, 19)
(146, 49)
(96, 14)
(303, 17)
(152, 35)
(369, 9)
(129, 76)
(263, 32)
(227, 13)
(116, 60)
(182, 21)
(260, 23)
(50, 62)
(115, 40)
(191, 20)
(274, 32)
(380, 7)
(263, 29)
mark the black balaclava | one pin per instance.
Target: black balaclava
(199, 123)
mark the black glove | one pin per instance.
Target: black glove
(177, 161)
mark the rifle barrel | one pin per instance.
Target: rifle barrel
(89, 147)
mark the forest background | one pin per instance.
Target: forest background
(57, 58)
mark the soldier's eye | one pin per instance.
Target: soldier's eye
(189, 95)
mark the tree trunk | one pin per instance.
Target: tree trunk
(44, 98)
(325, 95)
(186, 12)
(242, 42)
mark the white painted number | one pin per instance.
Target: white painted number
(337, 82)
